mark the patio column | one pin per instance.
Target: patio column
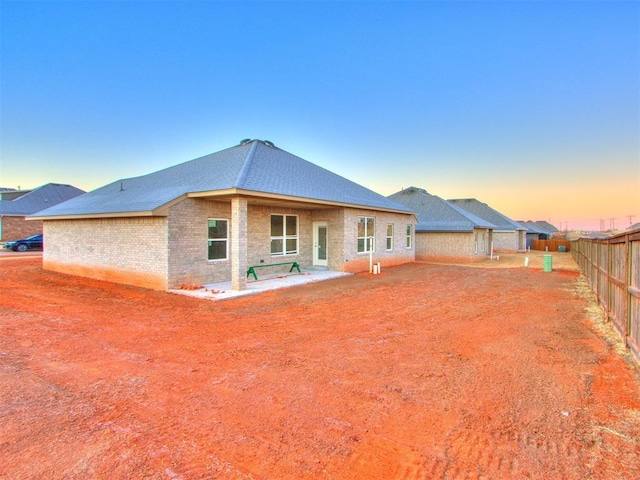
(239, 242)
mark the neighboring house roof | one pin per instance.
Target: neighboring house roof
(534, 227)
(437, 215)
(39, 199)
(252, 167)
(546, 226)
(11, 193)
(635, 226)
(484, 211)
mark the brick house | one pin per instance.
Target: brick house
(16, 205)
(508, 235)
(445, 232)
(539, 230)
(210, 219)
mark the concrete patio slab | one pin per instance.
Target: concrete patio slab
(222, 291)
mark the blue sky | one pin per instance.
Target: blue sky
(531, 107)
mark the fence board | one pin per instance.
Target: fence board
(550, 245)
(612, 268)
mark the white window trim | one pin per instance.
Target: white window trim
(390, 237)
(284, 237)
(367, 237)
(226, 240)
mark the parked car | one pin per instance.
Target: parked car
(30, 243)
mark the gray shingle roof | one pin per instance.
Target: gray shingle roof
(39, 199)
(254, 166)
(438, 215)
(540, 227)
(487, 213)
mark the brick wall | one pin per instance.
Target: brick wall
(124, 250)
(359, 262)
(505, 241)
(453, 246)
(167, 252)
(188, 235)
(188, 239)
(16, 228)
(259, 251)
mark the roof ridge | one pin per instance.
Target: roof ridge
(242, 174)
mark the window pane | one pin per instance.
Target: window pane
(217, 229)
(292, 225)
(371, 222)
(276, 246)
(217, 250)
(276, 226)
(292, 245)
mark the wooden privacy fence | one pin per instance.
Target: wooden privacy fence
(612, 267)
(550, 245)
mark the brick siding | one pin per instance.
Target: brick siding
(359, 262)
(167, 252)
(124, 250)
(453, 246)
(16, 228)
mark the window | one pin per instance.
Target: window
(284, 234)
(218, 239)
(409, 236)
(366, 233)
(390, 236)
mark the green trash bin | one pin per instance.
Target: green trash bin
(547, 263)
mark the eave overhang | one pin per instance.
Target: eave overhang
(265, 198)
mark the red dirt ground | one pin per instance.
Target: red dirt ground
(425, 371)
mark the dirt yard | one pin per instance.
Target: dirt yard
(424, 372)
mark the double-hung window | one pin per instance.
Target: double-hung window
(218, 243)
(390, 236)
(284, 234)
(409, 237)
(366, 234)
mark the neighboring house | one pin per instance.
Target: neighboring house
(539, 230)
(11, 193)
(16, 205)
(445, 231)
(211, 219)
(508, 235)
(547, 227)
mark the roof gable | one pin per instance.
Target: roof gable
(254, 165)
(437, 215)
